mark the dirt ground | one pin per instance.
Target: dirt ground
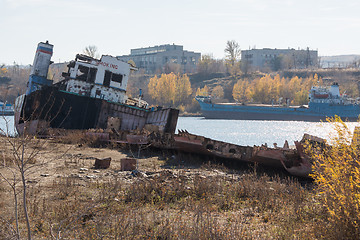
(54, 160)
(168, 196)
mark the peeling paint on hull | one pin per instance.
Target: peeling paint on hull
(59, 109)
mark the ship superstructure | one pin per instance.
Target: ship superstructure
(105, 78)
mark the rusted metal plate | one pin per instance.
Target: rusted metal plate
(198, 144)
(166, 119)
(102, 163)
(269, 157)
(128, 164)
(102, 136)
(137, 139)
(184, 143)
(303, 167)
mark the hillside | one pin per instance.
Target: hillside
(339, 61)
(347, 78)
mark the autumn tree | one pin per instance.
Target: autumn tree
(262, 88)
(205, 91)
(3, 75)
(232, 53)
(182, 89)
(242, 91)
(170, 88)
(276, 89)
(160, 89)
(336, 173)
(3, 70)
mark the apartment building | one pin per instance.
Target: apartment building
(277, 59)
(157, 58)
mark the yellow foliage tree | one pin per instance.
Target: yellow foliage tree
(170, 88)
(242, 91)
(268, 89)
(3, 71)
(336, 171)
(182, 88)
(203, 91)
(262, 88)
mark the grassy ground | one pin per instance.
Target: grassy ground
(170, 197)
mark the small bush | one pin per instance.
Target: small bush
(337, 175)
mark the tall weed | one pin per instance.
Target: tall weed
(336, 171)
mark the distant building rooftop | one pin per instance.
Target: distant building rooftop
(162, 57)
(276, 59)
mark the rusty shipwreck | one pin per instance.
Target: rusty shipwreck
(292, 159)
(92, 94)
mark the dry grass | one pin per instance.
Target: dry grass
(169, 199)
(79, 137)
(174, 205)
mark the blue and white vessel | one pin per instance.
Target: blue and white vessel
(323, 102)
(6, 109)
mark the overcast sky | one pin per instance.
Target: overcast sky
(115, 26)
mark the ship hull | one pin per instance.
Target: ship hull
(258, 112)
(52, 108)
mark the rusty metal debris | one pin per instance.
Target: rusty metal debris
(293, 160)
(102, 163)
(128, 164)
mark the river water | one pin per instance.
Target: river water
(241, 132)
(250, 132)
(7, 125)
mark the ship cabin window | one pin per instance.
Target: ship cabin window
(86, 74)
(109, 76)
(117, 78)
(92, 75)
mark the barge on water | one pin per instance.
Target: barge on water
(323, 102)
(92, 94)
(6, 109)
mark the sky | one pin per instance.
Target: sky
(115, 26)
